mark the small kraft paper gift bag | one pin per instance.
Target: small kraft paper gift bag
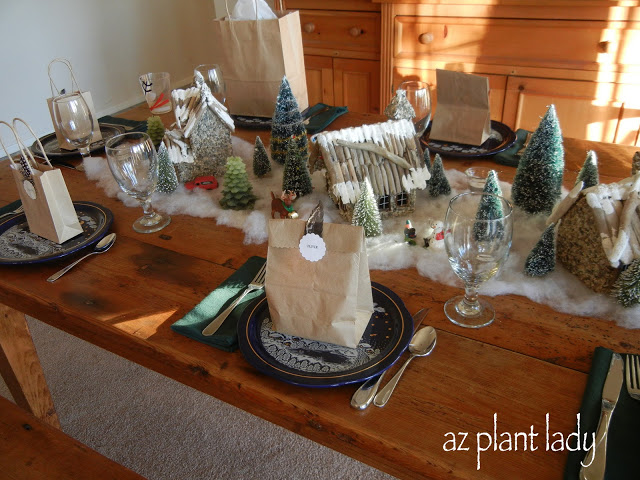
(317, 281)
(55, 91)
(47, 205)
(255, 55)
(462, 114)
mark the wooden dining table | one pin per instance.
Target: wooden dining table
(524, 373)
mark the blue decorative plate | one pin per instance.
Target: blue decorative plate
(19, 246)
(501, 138)
(311, 363)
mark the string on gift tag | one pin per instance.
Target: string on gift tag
(312, 246)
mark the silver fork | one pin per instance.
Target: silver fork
(632, 369)
(20, 209)
(256, 284)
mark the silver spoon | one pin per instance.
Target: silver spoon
(102, 246)
(363, 397)
(422, 344)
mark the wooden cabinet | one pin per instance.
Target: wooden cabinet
(341, 43)
(582, 56)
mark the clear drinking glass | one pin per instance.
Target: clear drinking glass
(74, 120)
(478, 229)
(212, 74)
(134, 164)
(419, 97)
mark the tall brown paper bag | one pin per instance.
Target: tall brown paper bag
(254, 56)
(47, 205)
(329, 300)
(462, 114)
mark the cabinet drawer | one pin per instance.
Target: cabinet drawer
(341, 34)
(546, 43)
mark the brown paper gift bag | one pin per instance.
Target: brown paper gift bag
(254, 56)
(462, 114)
(329, 299)
(62, 141)
(47, 205)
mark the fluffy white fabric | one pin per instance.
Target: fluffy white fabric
(560, 289)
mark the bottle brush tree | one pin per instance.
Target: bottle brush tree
(296, 177)
(489, 208)
(261, 162)
(626, 289)
(167, 178)
(438, 183)
(238, 192)
(538, 181)
(589, 172)
(287, 126)
(366, 213)
(542, 258)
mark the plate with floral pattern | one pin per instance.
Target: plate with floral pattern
(311, 363)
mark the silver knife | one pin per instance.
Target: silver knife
(364, 395)
(596, 458)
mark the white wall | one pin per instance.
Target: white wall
(109, 43)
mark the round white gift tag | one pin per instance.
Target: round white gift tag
(312, 247)
(30, 189)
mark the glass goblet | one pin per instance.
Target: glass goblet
(212, 74)
(478, 229)
(419, 97)
(74, 120)
(134, 164)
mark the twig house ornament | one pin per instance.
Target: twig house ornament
(201, 143)
(384, 153)
(599, 234)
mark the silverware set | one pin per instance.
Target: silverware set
(20, 209)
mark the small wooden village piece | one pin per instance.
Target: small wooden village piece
(283, 205)
(385, 153)
(600, 231)
(201, 143)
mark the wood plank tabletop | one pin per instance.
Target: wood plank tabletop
(524, 373)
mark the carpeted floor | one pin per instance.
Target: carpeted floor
(165, 430)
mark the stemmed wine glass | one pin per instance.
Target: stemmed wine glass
(419, 97)
(478, 229)
(212, 74)
(134, 164)
(74, 120)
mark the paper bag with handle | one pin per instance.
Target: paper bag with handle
(45, 198)
(462, 114)
(257, 54)
(318, 283)
(55, 91)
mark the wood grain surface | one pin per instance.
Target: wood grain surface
(527, 370)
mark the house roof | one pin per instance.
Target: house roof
(385, 153)
(189, 104)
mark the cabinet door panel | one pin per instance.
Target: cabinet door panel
(319, 73)
(357, 84)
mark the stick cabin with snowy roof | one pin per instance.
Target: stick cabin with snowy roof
(201, 143)
(385, 153)
(599, 231)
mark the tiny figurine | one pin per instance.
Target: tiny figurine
(437, 237)
(208, 182)
(283, 205)
(409, 233)
(427, 234)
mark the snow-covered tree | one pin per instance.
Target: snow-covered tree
(538, 181)
(589, 172)
(261, 163)
(287, 127)
(542, 258)
(438, 184)
(365, 211)
(167, 177)
(626, 288)
(238, 192)
(489, 208)
(296, 177)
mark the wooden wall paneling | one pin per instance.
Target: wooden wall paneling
(357, 84)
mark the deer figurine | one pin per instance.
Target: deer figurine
(283, 205)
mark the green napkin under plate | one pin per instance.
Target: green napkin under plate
(321, 115)
(128, 125)
(624, 429)
(511, 156)
(10, 207)
(226, 338)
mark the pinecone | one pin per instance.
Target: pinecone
(155, 130)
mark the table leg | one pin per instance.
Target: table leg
(20, 367)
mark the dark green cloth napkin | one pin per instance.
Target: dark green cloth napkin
(320, 121)
(226, 338)
(11, 207)
(623, 446)
(129, 125)
(510, 156)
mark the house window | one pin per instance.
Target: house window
(402, 199)
(384, 202)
